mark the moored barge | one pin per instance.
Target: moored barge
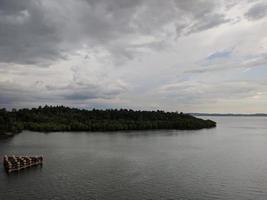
(17, 163)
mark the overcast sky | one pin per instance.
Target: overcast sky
(176, 55)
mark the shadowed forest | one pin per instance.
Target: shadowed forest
(60, 118)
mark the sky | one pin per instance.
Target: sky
(173, 55)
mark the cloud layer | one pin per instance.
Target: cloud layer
(142, 54)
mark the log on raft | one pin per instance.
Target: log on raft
(17, 163)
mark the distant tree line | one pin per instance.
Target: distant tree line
(61, 118)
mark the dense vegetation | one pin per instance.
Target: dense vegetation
(60, 118)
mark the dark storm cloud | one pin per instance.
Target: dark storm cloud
(255, 61)
(26, 37)
(40, 32)
(202, 15)
(257, 11)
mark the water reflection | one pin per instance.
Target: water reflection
(227, 162)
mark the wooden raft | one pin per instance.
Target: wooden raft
(17, 163)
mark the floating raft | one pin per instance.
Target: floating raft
(17, 163)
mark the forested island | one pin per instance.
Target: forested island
(61, 118)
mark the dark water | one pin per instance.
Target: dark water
(229, 162)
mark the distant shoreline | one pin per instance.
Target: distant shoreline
(229, 115)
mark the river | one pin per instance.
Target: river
(226, 162)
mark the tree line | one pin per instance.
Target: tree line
(61, 118)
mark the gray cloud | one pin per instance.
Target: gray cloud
(129, 53)
(14, 94)
(187, 93)
(26, 35)
(222, 65)
(75, 92)
(40, 32)
(86, 91)
(202, 15)
(208, 22)
(257, 11)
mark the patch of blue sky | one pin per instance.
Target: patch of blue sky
(255, 73)
(220, 55)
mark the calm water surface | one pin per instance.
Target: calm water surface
(228, 162)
